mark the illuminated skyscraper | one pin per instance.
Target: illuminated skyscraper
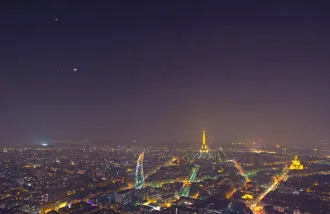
(139, 176)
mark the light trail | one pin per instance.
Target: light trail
(187, 184)
(239, 168)
(166, 164)
(272, 187)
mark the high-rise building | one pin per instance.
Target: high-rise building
(139, 176)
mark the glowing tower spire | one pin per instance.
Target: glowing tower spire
(204, 148)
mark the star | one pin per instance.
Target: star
(57, 19)
(75, 69)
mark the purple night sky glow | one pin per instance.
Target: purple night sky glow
(160, 71)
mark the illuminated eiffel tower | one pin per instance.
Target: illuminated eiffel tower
(203, 158)
(206, 153)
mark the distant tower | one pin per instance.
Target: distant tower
(139, 177)
(204, 147)
(205, 152)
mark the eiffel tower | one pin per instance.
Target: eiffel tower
(206, 153)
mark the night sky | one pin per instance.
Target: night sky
(160, 71)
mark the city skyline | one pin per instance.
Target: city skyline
(120, 179)
(113, 107)
(160, 72)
